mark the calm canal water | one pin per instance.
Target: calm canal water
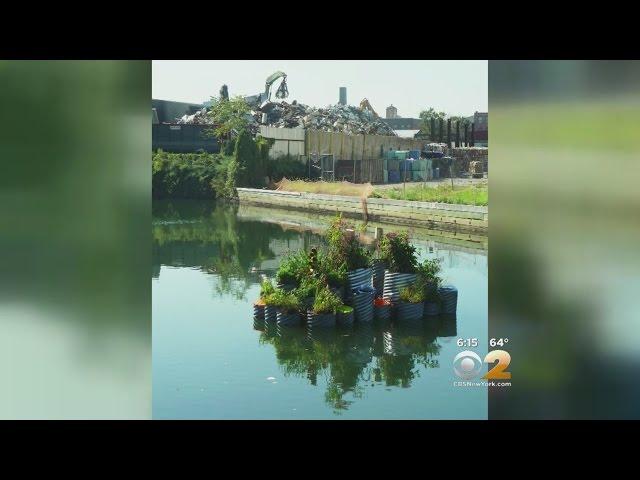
(210, 361)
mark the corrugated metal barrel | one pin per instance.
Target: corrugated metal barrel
(394, 282)
(410, 311)
(322, 320)
(378, 276)
(357, 278)
(258, 311)
(270, 313)
(431, 308)
(362, 303)
(449, 296)
(288, 319)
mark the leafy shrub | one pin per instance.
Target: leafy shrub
(344, 247)
(429, 270)
(337, 276)
(294, 268)
(326, 301)
(327, 268)
(398, 254)
(285, 166)
(283, 301)
(188, 175)
(412, 294)
(246, 168)
(266, 289)
(308, 288)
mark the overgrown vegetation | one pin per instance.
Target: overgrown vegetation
(429, 271)
(266, 289)
(471, 195)
(247, 168)
(307, 289)
(284, 301)
(326, 302)
(398, 254)
(293, 268)
(412, 294)
(189, 175)
(344, 247)
(211, 175)
(286, 166)
(229, 116)
(330, 188)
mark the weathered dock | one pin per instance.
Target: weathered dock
(432, 215)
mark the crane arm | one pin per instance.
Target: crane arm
(365, 105)
(282, 90)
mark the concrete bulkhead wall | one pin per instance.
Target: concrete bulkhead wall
(453, 217)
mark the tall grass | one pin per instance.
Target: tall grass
(330, 188)
(471, 195)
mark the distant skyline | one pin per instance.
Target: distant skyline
(457, 87)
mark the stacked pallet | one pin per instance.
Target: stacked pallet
(406, 165)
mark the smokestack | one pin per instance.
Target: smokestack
(343, 96)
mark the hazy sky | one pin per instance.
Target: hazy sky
(457, 87)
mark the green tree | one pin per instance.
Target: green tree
(228, 116)
(426, 116)
(455, 118)
(245, 169)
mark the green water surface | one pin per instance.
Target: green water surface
(212, 361)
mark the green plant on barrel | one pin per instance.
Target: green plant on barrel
(307, 289)
(266, 289)
(412, 294)
(398, 254)
(294, 268)
(429, 271)
(343, 246)
(326, 302)
(286, 302)
(329, 269)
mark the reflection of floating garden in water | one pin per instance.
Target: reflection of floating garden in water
(349, 358)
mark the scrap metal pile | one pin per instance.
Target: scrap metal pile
(199, 118)
(334, 118)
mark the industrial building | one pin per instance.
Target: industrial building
(404, 127)
(167, 135)
(481, 129)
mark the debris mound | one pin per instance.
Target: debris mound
(333, 118)
(199, 118)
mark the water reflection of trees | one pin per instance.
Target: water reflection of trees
(211, 238)
(348, 360)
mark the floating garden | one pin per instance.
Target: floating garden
(347, 282)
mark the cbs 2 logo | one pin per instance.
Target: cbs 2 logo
(468, 364)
